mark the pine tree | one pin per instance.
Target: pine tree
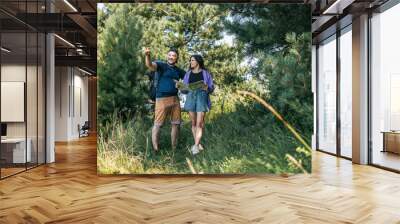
(278, 39)
(287, 75)
(120, 66)
(264, 27)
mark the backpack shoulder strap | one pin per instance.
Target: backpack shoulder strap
(156, 78)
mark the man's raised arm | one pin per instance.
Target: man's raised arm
(149, 64)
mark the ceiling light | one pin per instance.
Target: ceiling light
(5, 49)
(64, 40)
(70, 5)
(338, 6)
(79, 51)
(86, 72)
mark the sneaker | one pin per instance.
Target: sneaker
(195, 149)
(201, 147)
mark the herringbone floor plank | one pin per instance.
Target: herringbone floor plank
(69, 191)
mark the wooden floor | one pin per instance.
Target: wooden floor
(70, 191)
(387, 159)
(10, 171)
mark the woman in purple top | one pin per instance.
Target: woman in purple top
(198, 101)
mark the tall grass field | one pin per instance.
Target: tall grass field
(240, 137)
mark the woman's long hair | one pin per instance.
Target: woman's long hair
(199, 59)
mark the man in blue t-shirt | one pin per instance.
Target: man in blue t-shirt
(167, 101)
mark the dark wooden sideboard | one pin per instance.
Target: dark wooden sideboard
(391, 141)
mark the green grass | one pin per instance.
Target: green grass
(239, 137)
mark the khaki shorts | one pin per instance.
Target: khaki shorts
(167, 106)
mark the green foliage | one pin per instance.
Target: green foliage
(193, 29)
(287, 75)
(281, 51)
(240, 139)
(120, 66)
(126, 28)
(270, 57)
(264, 28)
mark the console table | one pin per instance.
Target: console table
(13, 150)
(391, 141)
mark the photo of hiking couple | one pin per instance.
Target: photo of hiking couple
(204, 88)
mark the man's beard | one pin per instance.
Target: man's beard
(170, 63)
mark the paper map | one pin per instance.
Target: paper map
(191, 86)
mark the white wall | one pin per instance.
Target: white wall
(70, 84)
(61, 103)
(12, 73)
(13, 101)
(79, 117)
(35, 121)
